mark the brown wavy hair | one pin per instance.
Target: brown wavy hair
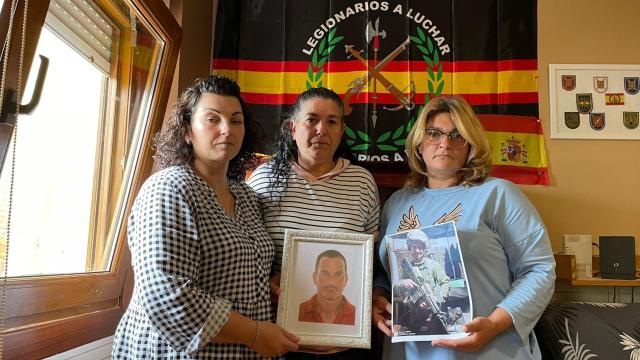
(171, 145)
(476, 169)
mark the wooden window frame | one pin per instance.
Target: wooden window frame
(46, 315)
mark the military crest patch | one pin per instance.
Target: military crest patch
(631, 85)
(568, 82)
(630, 119)
(572, 120)
(600, 83)
(584, 103)
(597, 121)
(614, 99)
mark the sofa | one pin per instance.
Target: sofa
(581, 331)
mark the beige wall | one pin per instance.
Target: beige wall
(595, 183)
(196, 19)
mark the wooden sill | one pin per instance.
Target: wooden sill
(566, 271)
(57, 336)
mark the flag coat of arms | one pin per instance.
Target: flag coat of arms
(386, 59)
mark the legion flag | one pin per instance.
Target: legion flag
(386, 59)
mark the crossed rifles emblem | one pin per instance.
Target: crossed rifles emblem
(356, 86)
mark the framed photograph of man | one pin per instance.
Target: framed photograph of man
(430, 291)
(325, 284)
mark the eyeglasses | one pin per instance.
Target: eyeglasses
(434, 136)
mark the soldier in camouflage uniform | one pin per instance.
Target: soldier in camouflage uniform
(419, 317)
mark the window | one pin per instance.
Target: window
(80, 157)
(53, 197)
(62, 219)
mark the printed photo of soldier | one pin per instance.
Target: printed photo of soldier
(430, 295)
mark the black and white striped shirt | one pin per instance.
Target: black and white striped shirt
(347, 202)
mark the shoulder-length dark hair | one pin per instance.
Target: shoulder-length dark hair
(286, 150)
(171, 145)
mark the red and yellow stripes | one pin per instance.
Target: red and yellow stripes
(480, 82)
(518, 152)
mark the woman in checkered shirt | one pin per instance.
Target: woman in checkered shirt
(200, 253)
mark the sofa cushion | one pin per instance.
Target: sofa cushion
(572, 330)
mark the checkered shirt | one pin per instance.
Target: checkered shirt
(193, 264)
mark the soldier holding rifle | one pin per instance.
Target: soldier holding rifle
(425, 286)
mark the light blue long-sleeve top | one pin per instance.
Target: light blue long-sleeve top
(507, 258)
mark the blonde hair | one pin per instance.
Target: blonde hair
(478, 163)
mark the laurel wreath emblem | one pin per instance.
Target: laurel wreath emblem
(392, 140)
(432, 58)
(319, 57)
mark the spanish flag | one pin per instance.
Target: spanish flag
(518, 152)
(387, 59)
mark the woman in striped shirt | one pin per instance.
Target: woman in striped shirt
(311, 184)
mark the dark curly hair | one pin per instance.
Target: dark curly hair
(171, 145)
(286, 150)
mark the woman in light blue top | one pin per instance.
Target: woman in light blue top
(505, 245)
